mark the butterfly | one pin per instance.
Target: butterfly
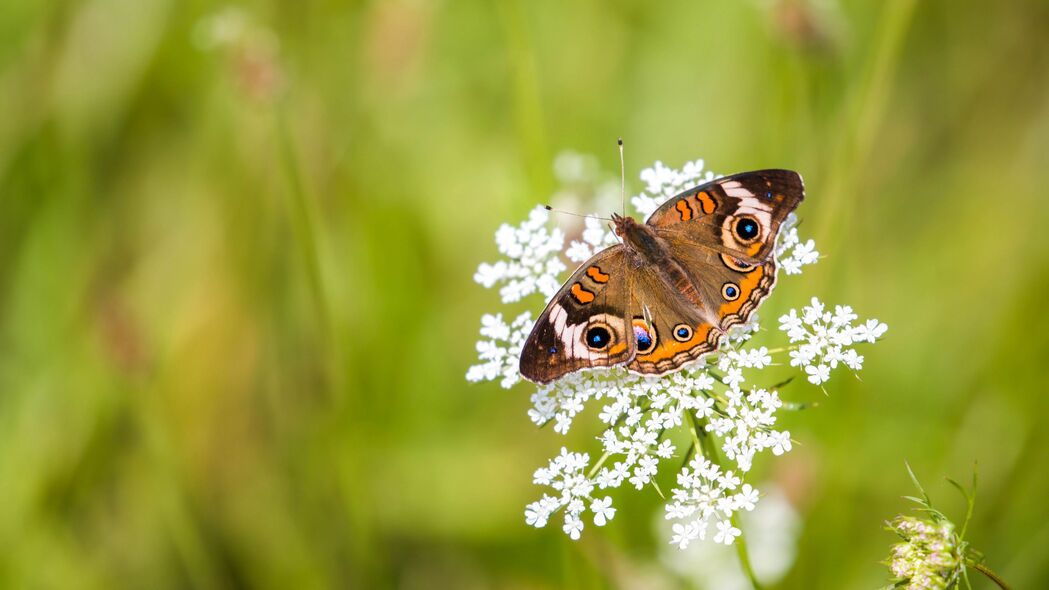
(667, 294)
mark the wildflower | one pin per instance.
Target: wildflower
(928, 556)
(771, 531)
(531, 263)
(730, 416)
(826, 339)
(603, 511)
(933, 552)
(726, 533)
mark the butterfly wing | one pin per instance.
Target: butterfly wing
(583, 325)
(736, 215)
(669, 329)
(721, 234)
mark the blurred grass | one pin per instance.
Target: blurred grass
(236, 310)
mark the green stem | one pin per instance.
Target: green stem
(983, 569)
(303, 223)
(597, 466)
(695, 435)
(710, 451)
(306, 229)
(744, 558)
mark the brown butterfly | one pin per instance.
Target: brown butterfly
(668, 293)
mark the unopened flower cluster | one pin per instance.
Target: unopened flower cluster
(723, 398)
(929, 556)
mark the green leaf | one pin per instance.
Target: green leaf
(916, 500)
(917, 484)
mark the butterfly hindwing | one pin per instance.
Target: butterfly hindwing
(583, 326)
(669, 329)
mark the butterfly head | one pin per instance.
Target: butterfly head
(623, 224)
(639, 238)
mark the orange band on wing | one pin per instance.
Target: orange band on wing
(706, 202)
(684, 209)
(669, 347)
(581, 295)
(746, 287)
(595, 273)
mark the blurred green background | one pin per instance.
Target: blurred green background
(237, 248)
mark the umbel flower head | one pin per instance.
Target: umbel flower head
(726, 402)
(929, 555)
(933, 552)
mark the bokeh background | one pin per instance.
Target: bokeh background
(236, 253)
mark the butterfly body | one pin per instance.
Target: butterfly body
(645, 248)
(667, 294)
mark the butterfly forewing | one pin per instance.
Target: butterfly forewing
(584, 325)
(723, 232)
(737, 215)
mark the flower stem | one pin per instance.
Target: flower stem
(741, 550)
(983, 569)
(597, 466)
(710, 451)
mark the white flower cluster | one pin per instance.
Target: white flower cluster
(532, 263)
(745, 427)
(705, 493)
(711, 399)
(791, 252)
(662, 182)
(827, 338)
(500, 351)
(565, 475)
(772, 535)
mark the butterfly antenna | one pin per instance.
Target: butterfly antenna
(563, 212)
(622, 175)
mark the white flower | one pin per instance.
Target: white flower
(536, 515)
(747, 498)
(734, 377)
(579, 251)
(780, 442)
(852, 360)
(603, 511)
(870, 331)
(726, 533)
(684, 534)
(818, 373)
(573, 526)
